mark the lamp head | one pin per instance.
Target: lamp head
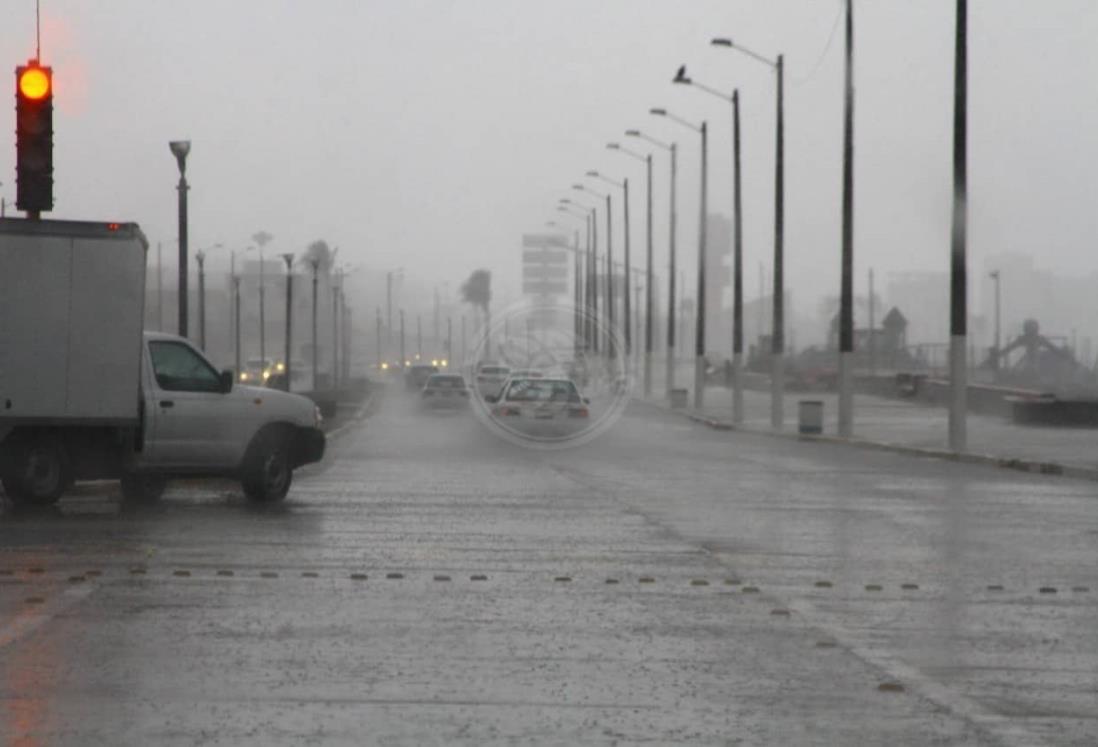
(578, 187)
(633, 133)
(180, 149)
(593, 173)
(721, 42)
(658, 111)
(613, 146)
(681, 76)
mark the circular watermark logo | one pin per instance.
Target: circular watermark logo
(548, 375)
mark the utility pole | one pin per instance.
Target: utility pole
(419, 337)
(777, 336)
(671, 282)
(335, 330)
(626, 308)
(648, 289)
(737, 267)
(236, 313)
(846, 293)
(699, 330)
(449, 341)
(180, 149)
(996, 363)
(261, 238)
(379, 359)
(958, 380)
(403, 360)
(872, 325)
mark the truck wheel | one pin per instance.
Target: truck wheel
(267, 470)
(138, 488)
(38, 471)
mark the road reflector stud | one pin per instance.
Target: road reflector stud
(823, 584)
(35, 600)
(699, 582)
(646, 580)
(779, 613)
(309, 574)
(890, 687)
(359, 576)
(268, 574)
(873, 587)
(732, 582)
(478, 578)
(1080, 589)
(394, 575)
(750, 590)
(909, 587)
(181, 573)
(826, 644)
(224, 573)
(75, 579)
(563, 579)
(1048, 589)
(441, 577)
(995, 587)
(611, 581)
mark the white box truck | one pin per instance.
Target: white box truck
(86, 394)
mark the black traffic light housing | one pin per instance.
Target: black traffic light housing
(34, 138)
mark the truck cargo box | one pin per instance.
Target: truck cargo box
(72, 306)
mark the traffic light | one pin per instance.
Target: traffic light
(34, 137)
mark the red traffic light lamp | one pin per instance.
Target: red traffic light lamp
(34, 138)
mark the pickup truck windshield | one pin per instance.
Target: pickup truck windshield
(180, 369)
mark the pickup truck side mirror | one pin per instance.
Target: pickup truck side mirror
(227, 377)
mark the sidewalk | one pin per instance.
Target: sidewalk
(917, 428)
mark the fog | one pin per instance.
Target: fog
(431, 135)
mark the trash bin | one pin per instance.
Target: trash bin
(810, 416)
(678, 398)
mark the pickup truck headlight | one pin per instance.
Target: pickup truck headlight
(317, 417)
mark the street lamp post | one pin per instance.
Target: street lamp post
(958, 374)
(236, 328)
(591, 328)
(403, 360)
(995, 362)
(648, 325)
(314, 263)
(672, 150)
(626, 307)
(180, 149)
(699, 301)
(608, 298)
(200, 258)
(288, 258)
(578, 321)
(389, 300)
(737, 252)
(777, 336)
(261, 238)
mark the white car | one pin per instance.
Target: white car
(540, 407)
(491, 378)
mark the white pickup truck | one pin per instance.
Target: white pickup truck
(85, 394)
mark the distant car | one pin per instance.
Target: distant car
(490, 378)
(416, 376)
(540, 406)
(255, 371)
(445, 390)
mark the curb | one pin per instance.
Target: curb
(1033, 466)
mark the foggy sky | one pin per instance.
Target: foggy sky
(431, 134)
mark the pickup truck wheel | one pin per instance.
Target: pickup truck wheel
(267, 471)
(137, 488)
(38, 471)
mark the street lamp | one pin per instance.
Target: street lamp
(591, 213)
(608, 301)
(200, 257)
(777, 336)
(288, 258)
(180, 149)
(699, 335)
(737, 252)
(672, 149)
(648, 326)
(261, 238)
(626, 307)
(996, 363)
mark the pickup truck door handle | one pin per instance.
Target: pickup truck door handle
(166, 403)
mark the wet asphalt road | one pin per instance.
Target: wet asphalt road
(432, 584)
